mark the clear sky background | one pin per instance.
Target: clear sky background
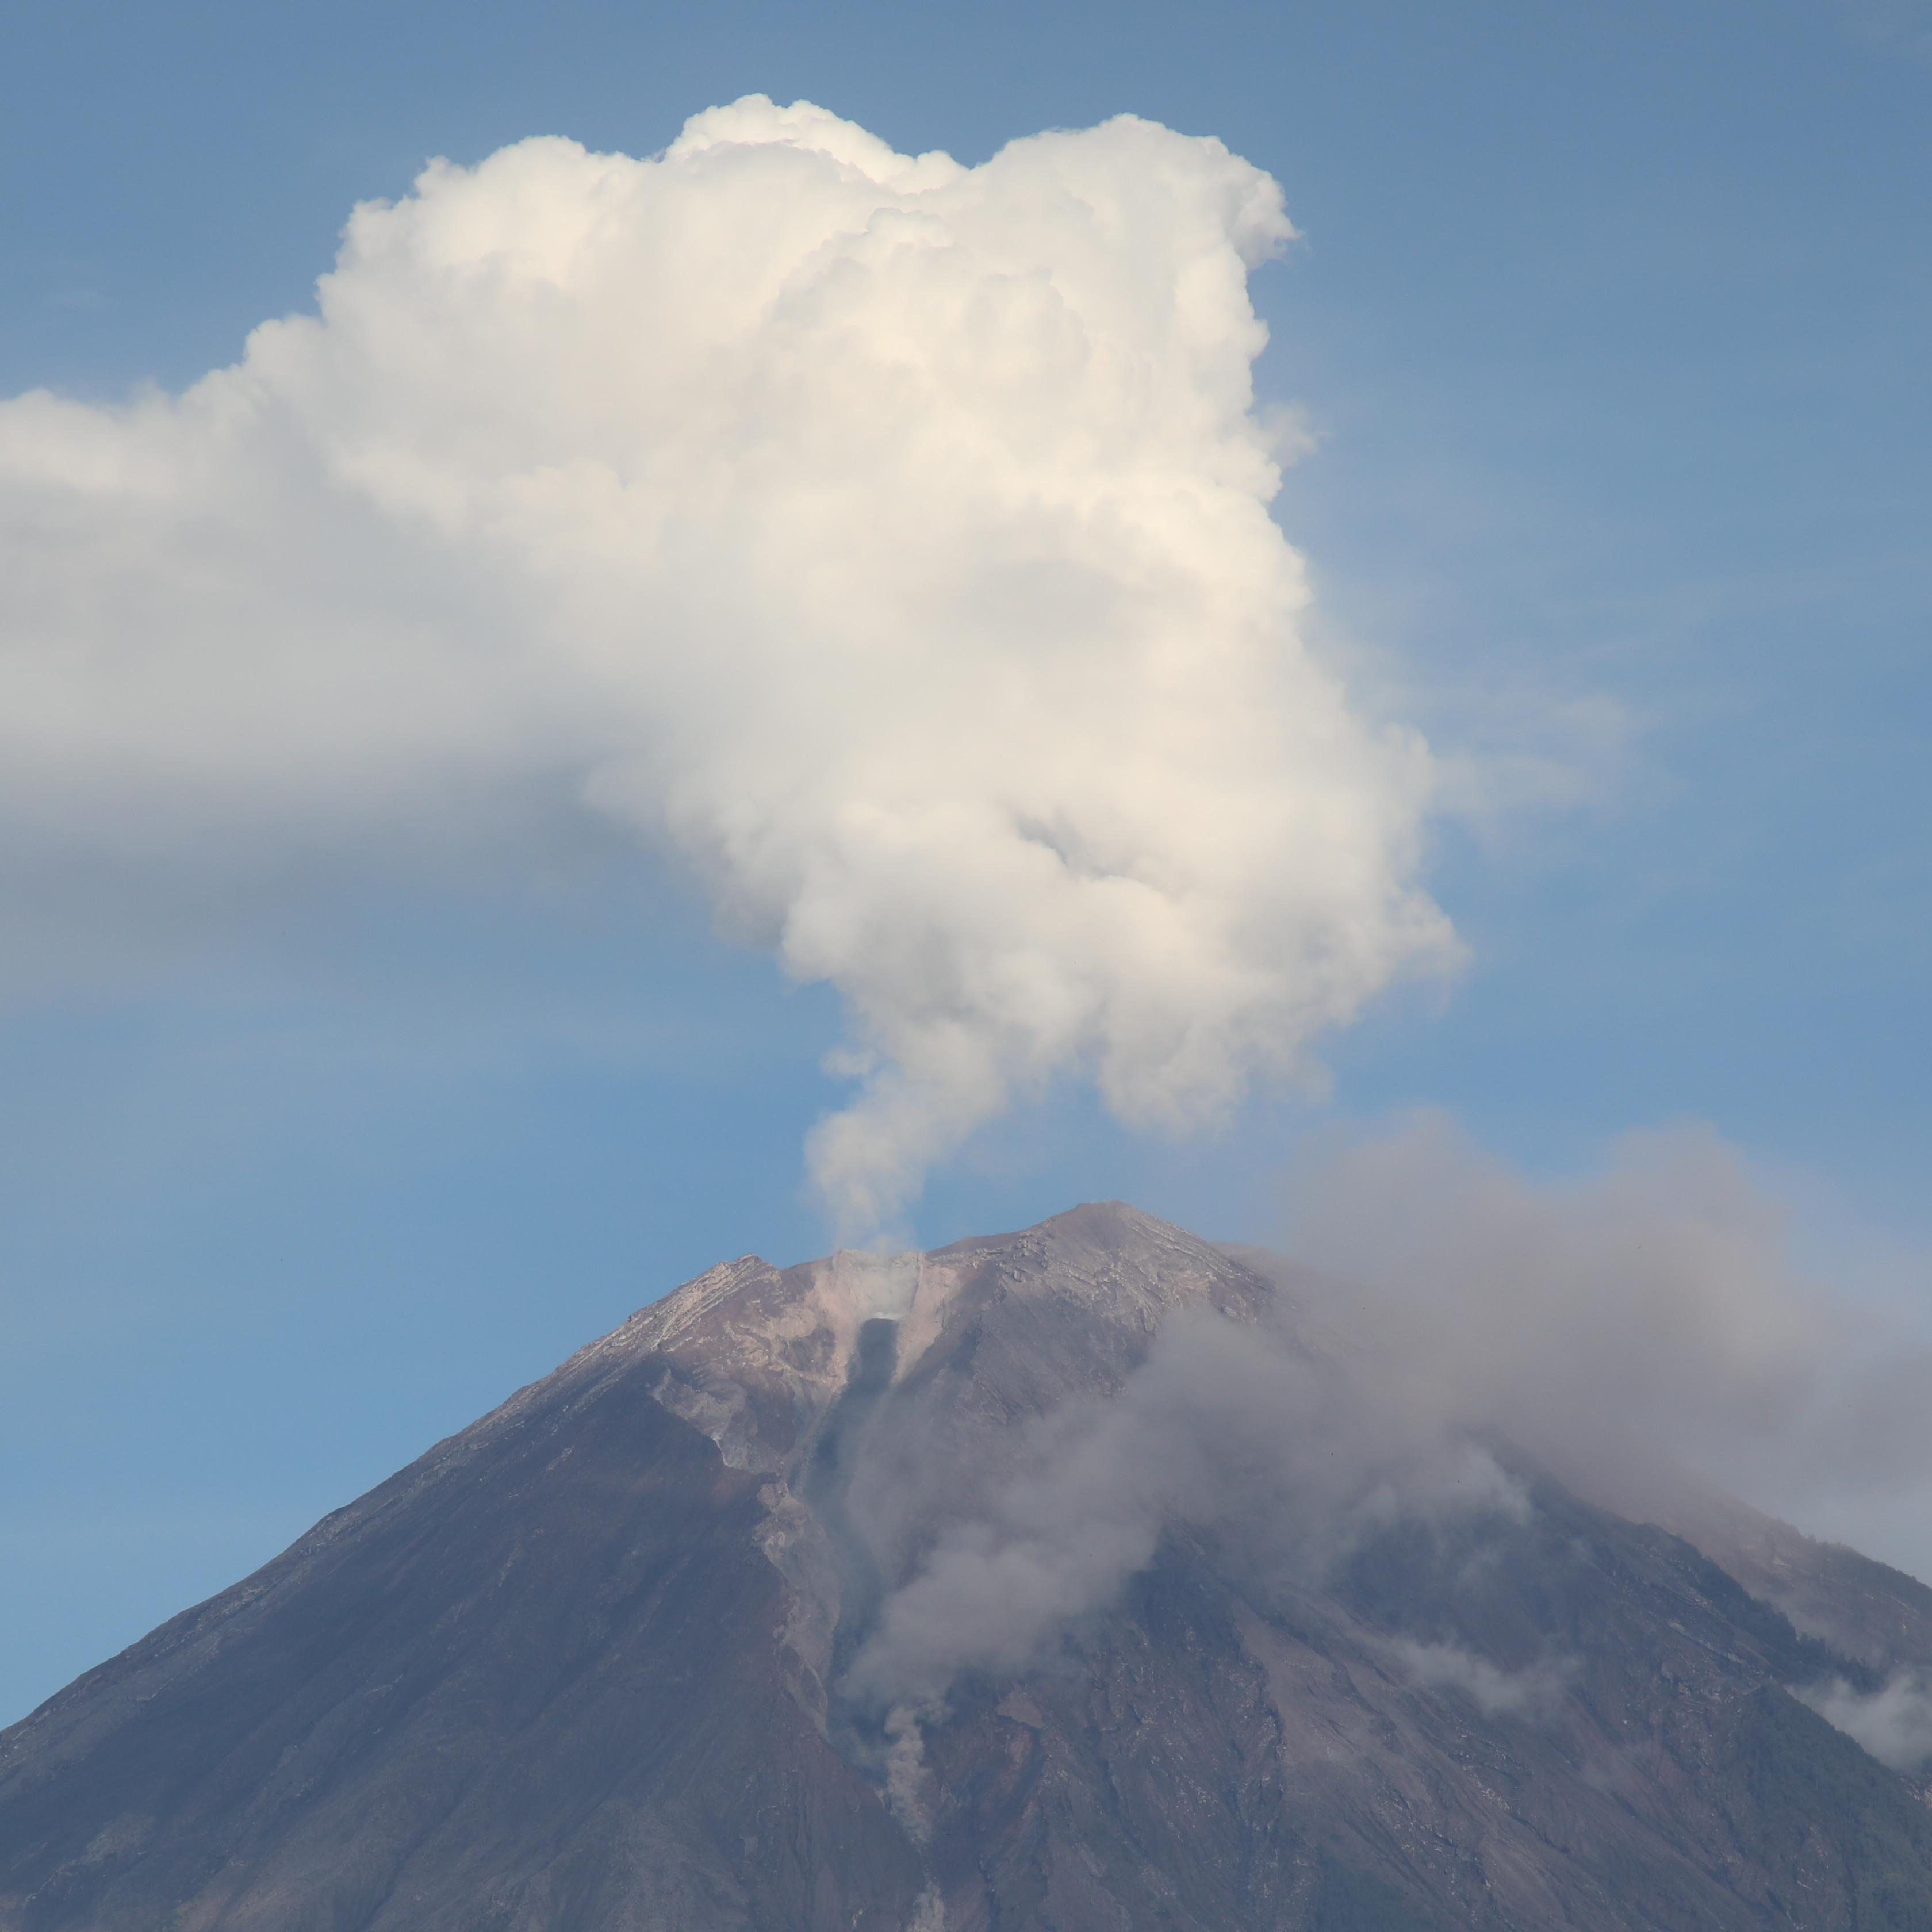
(1612, 323)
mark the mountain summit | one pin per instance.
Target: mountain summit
(1075, 1579)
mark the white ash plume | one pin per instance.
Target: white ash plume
(888, 539)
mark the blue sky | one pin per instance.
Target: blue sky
(1611, 324)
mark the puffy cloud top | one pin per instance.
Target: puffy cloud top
(888, 538)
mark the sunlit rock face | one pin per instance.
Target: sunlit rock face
(1070, 1579)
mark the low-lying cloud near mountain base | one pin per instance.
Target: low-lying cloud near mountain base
(888, 538)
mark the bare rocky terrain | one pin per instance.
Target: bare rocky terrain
(622, 1656)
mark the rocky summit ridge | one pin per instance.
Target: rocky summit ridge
(1050, 1582)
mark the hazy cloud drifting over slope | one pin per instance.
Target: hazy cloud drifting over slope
(1632, 1331)
(1529, 1693)
(1893, 1723)
(1622, 1327)
(887, 539)
(1225, 1427)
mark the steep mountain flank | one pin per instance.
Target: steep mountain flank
(684, 1637)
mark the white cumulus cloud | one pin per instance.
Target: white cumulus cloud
(888, 539)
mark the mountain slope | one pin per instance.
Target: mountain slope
(686, 1636)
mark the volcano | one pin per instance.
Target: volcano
(1050, 1582)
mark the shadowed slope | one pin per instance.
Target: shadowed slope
(586, 1665)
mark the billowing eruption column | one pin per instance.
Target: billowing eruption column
(887, 537)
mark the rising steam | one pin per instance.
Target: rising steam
(888, 538)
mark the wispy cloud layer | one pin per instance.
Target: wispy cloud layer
(1893, 1723)
(1530, 1693)
(888, 538)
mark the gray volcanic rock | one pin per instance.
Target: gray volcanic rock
(622, 1655)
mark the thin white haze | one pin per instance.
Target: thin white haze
(887, 539)
(1893, 1723)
